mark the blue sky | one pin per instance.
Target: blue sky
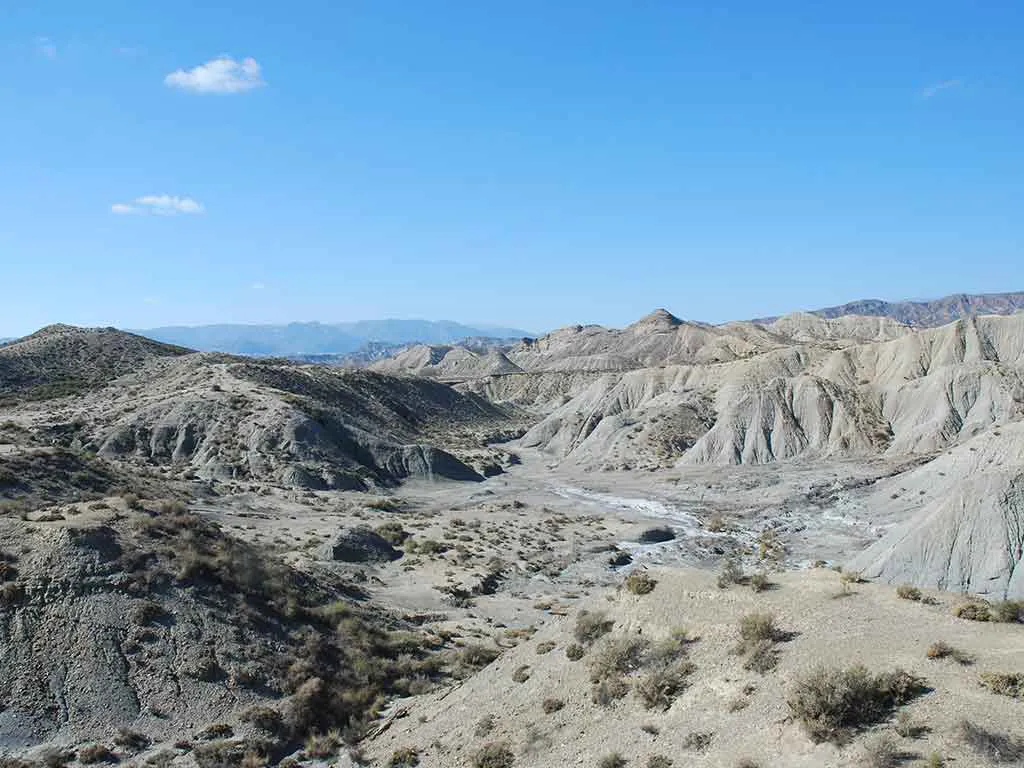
(531, 163)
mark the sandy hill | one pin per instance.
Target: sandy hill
(668, 680)
(63, 359)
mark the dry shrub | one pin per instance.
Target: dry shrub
(263, 717)
(757, 628)
(639, 583)
(908, 592)
(941, 650)
(323, 745)
(545, 647)
(731, 573)
(833, 702)
(658, 761)
(574, 652)
(659, 686)
(1010, 611)
(406, 757)
(1004, 683)
(973, 610)
(497, 754)
(761, 657)
(881, 752)
(618, 655)
(550, 706)
(698, 741)
(608, 691)
(759, 581)
(95, 753)
(484, 726)
(522, 674)
(997, 747)
(132, 740)
(612, 760)
(591, 626)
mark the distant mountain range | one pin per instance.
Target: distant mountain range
(301, 339)
(928, 314)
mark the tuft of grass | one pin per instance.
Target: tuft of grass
(612, 760)
(833, 702)
(1004, 683)
(496, 754)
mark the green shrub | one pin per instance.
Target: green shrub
(832, 702)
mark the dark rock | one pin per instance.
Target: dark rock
(360, 545)
(657, 535)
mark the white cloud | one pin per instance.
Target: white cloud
(158, 205)
(46, 47)
(220, 75)
(931, 90)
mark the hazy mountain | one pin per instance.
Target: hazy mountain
(928, 314)
(320, 338)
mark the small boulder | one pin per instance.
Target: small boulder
(359, 545)
(657, 535)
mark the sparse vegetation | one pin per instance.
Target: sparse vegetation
(95, 753)
(997, 747)
(731, 573)
(833, 702)
(942, 650)
(406, 757)
(494, 755)
(522, 674)
(612, 760)
(640, 583)
(546, 647)
(1004, 683)
(758, 635)
(550, 706)
(908, 592)
(1010, 611)
(574, 652)
(591, 626)
(973, 610)
(759, 582)
(658, 761)
(484, 726)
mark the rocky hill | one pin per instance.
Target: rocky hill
(63, 359)
(929, 313)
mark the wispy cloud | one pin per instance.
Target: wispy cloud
(46, 47)
(935, 88)
(220, 75)
(257, 287)
(158, 205)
